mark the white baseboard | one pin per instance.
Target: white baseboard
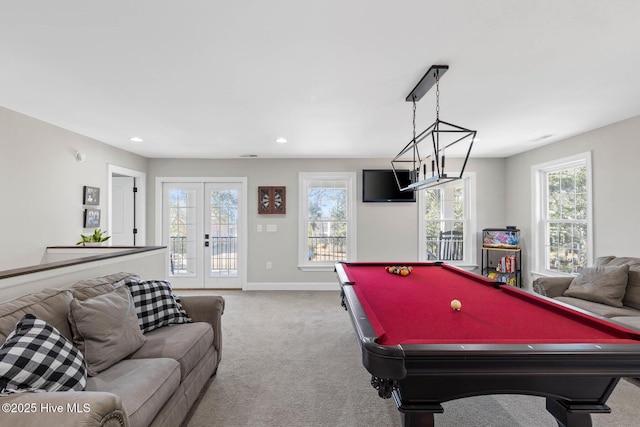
(292, 286)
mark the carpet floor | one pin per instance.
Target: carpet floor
(291, 359)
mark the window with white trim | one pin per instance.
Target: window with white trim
(327, 231)
(448, 227)
(562, 220)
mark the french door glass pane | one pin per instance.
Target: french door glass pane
(224, 233)
(182, 232)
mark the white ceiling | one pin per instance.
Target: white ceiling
(225, 78)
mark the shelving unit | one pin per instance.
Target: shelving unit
(502, 255)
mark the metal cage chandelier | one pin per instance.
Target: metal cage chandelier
(429, 171)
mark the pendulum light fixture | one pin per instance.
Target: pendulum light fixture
(429, 171)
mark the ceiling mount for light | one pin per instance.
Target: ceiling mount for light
(442, 135)
(426, 82)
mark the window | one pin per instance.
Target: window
(327, 212)
(447, 230)
(562, 215)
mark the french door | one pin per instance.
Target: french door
(203, 229)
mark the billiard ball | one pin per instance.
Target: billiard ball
(399, 270)
(456, 305)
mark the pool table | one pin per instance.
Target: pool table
(503, 340)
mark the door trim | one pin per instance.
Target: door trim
(243, 219)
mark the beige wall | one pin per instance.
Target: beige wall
(41, 185)
(615, 151)
(386, 232)
(41, 188)
(41, 195)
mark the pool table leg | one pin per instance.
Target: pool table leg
(568, 414)
(417, 419)
(416, 415)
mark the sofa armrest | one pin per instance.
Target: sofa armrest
(63, 408)
(552, 286)
(206, 308)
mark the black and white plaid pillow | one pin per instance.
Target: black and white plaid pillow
(36, 356)
(155, 304)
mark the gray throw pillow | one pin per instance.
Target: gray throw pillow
(632, 295)
(105, 328)
(606, 285)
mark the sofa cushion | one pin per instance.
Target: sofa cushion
(632, 295)
(603, 284)
(50, 305)
(105, 328)
(36, 356)
(145, 386)
(155, 304)
(599, 309)
(629, 321)
(603, 260)
(186, 343)
(90, 288)
(616, 260)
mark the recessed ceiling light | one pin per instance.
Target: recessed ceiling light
(135, 139)
(281, 140)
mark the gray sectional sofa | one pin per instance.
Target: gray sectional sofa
(610, 288)
(134, 378)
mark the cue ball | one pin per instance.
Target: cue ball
(456, 305)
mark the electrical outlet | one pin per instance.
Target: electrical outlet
(269, 265)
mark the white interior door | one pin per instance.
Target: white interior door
(122, 208)
(203, 229)
(126, 201)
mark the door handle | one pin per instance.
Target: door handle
(206, 240)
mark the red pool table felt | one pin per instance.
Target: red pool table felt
(416, 309)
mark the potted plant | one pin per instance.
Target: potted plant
(94, 239)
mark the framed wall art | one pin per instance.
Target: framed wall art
(91, 218)
(272, 200)
(90, 195)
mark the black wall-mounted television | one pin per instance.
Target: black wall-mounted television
(380, 186)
